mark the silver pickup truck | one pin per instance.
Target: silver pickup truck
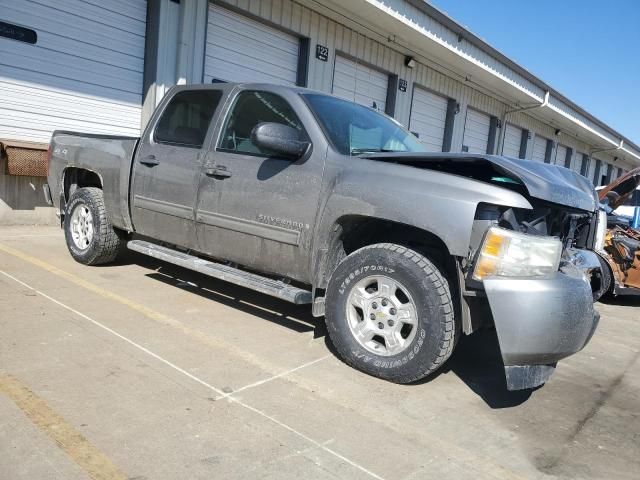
(318, 200)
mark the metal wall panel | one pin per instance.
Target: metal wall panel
(476, 132)
(579, 118)
(84, 73)
(539, 148)
(337, 37)
(360, 83)
(413, 15)
(441, 34)
(342, 35)
(240, 49)
(428, 117)
(512, 141)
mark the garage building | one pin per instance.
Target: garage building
(404, 57)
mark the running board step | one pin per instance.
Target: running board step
(229, 274)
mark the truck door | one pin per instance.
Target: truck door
(167, 166)
(254, 208)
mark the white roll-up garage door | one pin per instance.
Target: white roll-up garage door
(240, 49)
(592, 169)
(539, 148)
(476, 132)
(576, 162)
(512, 140)
(84, 73)
(561, 155)
(606, 170)
(428, 117)
(360, 83)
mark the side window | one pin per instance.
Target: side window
(186, 119)
(250, 109)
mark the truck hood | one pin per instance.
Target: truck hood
(543, 181)
(623, 187)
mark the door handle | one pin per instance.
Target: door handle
(218, 171)
(149, 161)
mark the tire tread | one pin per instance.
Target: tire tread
(446, 304)
(110, 241)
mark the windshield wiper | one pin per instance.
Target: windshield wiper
(360, 151)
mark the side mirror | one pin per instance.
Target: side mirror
(279, 139)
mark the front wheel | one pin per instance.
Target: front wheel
(90, 237)
(389, 313)
(606, 281)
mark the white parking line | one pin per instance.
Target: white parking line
(320, 445)
(266, 380)
(113, 332)
(8, 237)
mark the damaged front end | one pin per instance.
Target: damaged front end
(541, 302)
(531, 272)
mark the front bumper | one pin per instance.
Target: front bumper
(541, 321)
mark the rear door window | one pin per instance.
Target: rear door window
(187, 117)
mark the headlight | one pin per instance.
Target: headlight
(601, 231)
(506, 253)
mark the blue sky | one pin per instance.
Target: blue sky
(588, 50)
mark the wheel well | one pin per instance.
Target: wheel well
(354, 232)
(79, 178)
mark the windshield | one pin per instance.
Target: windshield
(354, 129)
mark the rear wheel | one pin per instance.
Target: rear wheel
(90, 237)
(389, 313)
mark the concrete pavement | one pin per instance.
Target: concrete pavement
(145, 370)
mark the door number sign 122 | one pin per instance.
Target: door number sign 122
(322, 53)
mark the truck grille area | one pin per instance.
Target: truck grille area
(575, 228)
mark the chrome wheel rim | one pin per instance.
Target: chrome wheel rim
(381, 315)
(81, 227)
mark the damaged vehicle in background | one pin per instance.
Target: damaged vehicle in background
(620, 246)
(322, 201)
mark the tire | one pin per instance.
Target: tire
(605, 290)
(103, 243)
(355, 292)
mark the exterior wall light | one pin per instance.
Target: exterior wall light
(409, 62)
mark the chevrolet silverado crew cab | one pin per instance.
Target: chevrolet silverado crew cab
(318, 200)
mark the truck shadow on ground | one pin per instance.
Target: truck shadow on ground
(623, 301)
(295, 317)
(476, 360)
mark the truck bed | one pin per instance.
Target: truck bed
(108, 156)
